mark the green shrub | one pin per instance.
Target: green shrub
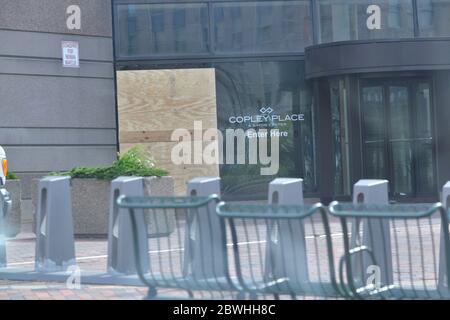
(11, 176)
(136, 162)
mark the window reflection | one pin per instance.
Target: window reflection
(242, 27)
(242, 89)
(162, 29)
(374, 132)
(270, 26)
(394, 14)
(434, 18)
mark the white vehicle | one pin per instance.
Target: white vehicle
(4, 169)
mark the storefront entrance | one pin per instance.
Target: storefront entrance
(398, 140)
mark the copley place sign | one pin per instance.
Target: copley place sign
(267, 116)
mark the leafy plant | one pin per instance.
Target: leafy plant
(135, 162)
(11, 176)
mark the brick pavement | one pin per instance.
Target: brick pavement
(92, 257)
(46, 291)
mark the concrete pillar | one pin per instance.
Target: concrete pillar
(376, 232)
(204, 252)
(286, 250)
(121, 258)
(55, 246)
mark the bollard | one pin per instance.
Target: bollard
(203, 255)
(376, 233)
(286, 236)
(121, 257)
(443, 280)
(5, 209)
(55, 246)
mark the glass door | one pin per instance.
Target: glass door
(401, 139)
(424, 140)
(375, 133)
(398, 142)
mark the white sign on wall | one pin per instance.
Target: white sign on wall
(71, 54)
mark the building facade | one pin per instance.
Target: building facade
(371, 79)
(357, 88)
(55, 118)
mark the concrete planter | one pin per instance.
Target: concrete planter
(90, 202)
(14, 220)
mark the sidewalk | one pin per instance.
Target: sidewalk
(45, 291)
(91, 255)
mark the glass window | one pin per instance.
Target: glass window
(374, 132)
(267, 96)
(426, 177)
(269, 26)
(341, 20)
(434, 18)
(339, 123)
(161, 29)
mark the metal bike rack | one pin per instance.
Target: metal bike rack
(5, 209)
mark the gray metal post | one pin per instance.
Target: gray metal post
(55, 246)
(5, 209)
(286, 250)
(442, 283)
(121, 258)
(203, 255)
(376, 234)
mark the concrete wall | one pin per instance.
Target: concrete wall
(54, 118)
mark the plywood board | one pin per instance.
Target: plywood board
(154, 103)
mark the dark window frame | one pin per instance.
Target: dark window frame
(211, 38)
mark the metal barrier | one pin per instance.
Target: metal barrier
(167, 256)
(55, 245)
(203, 235)
(371, 232)
(415, 232)
(247, 225)
(120, 239)
(280, 239)
(5, 209)
(443, 275)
